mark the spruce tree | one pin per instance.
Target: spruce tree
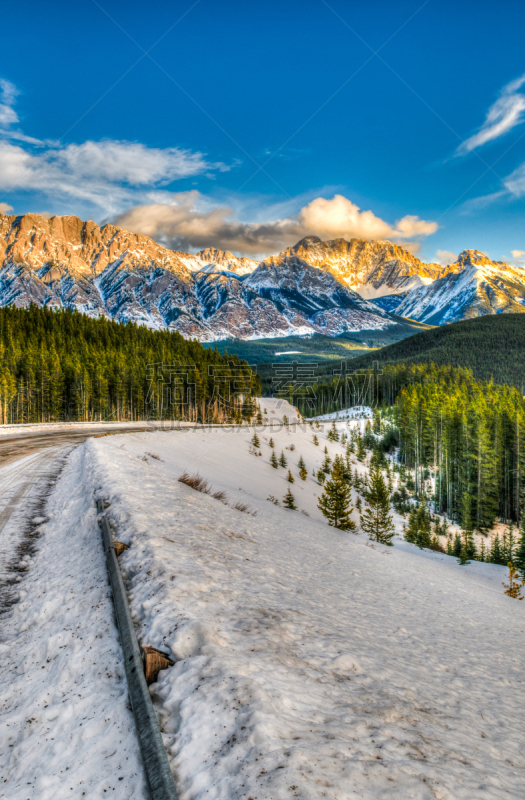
(315, 440)
(361, 452)
(290, 478)
(282, 460)
(303, 472)
(255, 440)
(496, 553)
(458, 546)
(271, 443)
(334, 503)
(519, 555)
(463, 556)
(514, 586)
(273, 460)
(289, 501)
(376, 520)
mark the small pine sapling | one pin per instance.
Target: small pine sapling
(282, 460)
(289, 501)
(255, 441)
(271, 443)
(303, 472)
(321, 477)
(514, 586)
(273, 460)
(315, 440)
(519, 556)
(290, 478)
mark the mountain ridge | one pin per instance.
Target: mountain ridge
(329, 287)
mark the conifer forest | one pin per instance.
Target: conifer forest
(65, 366)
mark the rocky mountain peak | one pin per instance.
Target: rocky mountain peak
(473, 258)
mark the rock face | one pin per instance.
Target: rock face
(65, 262)
(372, 269)
(474, 287)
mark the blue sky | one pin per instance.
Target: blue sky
(249, 125)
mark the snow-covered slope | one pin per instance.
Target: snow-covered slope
(476, 286)
(309, 663)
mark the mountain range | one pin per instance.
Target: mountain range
(329, 287)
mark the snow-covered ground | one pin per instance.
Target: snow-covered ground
(310, 662)
(66, 729)
(355, 412)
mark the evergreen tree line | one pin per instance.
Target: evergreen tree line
(469, 434)
(65, 366)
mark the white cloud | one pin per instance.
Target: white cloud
(515, 182)
(445, 257)
(518, 258)
(8, 93)
(5, 208)
(108, 175)
(104, 174)
(507, 112)
(189, 223)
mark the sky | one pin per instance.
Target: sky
(246, 126)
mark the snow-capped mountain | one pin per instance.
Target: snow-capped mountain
(372, 269)
(314, 286)
(474, 286)
(212, 295)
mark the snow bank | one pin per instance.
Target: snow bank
(309, 663)
(67, 731)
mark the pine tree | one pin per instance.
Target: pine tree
(271, 443)
(273, 460)
(255, 441)
(519, 555)
(290, 478)
(458, 546)
(315, 440)
(282, 460)
(321, 477)
(289, 501)
(514, 586)
(463, 557)
(333, 435)
(303, 472)
(470, 545)
(334, 503)
(376, 520)
(361, 452)
(496, 553)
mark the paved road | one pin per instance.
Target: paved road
(14, 446)
(29, 466)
